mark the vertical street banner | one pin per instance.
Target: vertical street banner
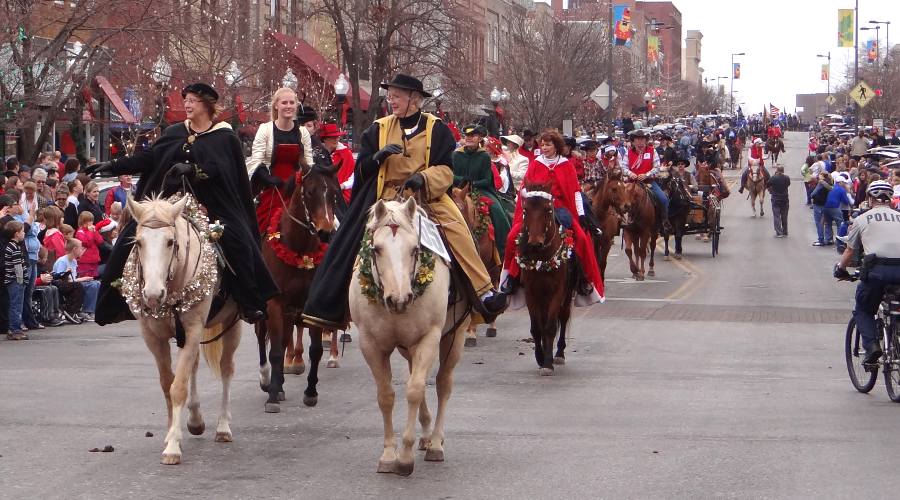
(871, 50)
(653, 49)
(623, 31)
(845, 27)
(826, 72)
(736, 71)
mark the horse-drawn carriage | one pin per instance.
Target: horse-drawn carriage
(705, 216)
(697, 213)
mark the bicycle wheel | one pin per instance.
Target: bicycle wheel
(861, 379)
(891, 368)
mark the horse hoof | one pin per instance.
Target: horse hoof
(559, 360)
(651, 273)
(310, 400)
(273, 408)
(471, 342)
(332, 363)
(640, 278)
(546, 372)
(297, 369)
(280, 396)
(170, 459)
(678, 256)
(402, 469)
(385, 467)
(345, 337)
(433, 455)
(423, 443)
(223, 437)
(197, 430)
(264, 387)
(491, 332)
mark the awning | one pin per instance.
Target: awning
(115, 100)
(309, 58)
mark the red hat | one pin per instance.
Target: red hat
(493, 146)
(329, 130)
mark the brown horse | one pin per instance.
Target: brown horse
(487, 251)
(547, 277)
(603, 203)
(774, 147)
(756, 186)
(291, 252)
(639, 226)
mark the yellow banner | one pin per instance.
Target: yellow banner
(845, 28)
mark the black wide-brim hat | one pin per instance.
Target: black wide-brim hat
(406, 82)
(201, 89)
(683, 161)
(638, 133)
(590, 144)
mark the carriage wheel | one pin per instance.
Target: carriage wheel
(715, 239)
(715, 228)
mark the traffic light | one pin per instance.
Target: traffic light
(879, 92)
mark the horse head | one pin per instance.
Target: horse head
(460, 197)
(314, 200)
(395, 251)
(156, 245)
(538, 220)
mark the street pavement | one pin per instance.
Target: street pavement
(720, 377)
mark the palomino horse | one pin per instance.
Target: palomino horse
(756, 186)
(545, 252)
(604, 207)
(293, 245)
(399, 300)
(679, 207)
(172, 271)
(774, 147)
(639, 227)
(487, 250)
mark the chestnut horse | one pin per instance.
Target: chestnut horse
(547, 278)
(639, 227)
(305, 223)
(487, 251)
(603, 205)
(756, 186)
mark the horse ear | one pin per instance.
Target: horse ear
(137, 211)
(411, 207)
(178, 207)
(380, 210)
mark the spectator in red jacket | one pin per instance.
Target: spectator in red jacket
(54, 241)
(341, 157)
(89, 262)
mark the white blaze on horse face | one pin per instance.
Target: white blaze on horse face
(156, 247)
(394, 266)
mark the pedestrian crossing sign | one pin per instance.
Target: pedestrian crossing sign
(862, 94)
(830, 100)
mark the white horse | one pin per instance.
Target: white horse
(756, 186)
(173, 269)
(394, 317)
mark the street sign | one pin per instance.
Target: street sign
(601, 94)
(830, 100)
(878, 123)
(862, 94)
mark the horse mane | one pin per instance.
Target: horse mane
(156, 206)
(394, 215)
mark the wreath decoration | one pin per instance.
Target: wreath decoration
(424, 274)
(563, 253)
(286, 254)
(482, 216)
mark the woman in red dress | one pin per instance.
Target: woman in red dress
(551, 168)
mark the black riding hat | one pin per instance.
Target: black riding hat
(200, 89)
(589, 144)
(406, 82)
(638, 133)
(475, 129)
(685, 161)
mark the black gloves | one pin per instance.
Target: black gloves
(178, 172)
(415, 182)
(262, 176)
(383, 153)
(99, 169)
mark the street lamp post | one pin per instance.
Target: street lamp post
(828, 75)
(498, 97)
(341, 87)
(731, 92)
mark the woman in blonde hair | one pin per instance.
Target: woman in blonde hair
(278, 146)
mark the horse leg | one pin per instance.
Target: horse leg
(158, 343)
(279, 327)
(310, 395)
(299, 365)
(564, 315)
(652, 242)
(627, 239)
(289, 358)
(380, 364)
(753, 202)
(471, 335)
(451, 350)
(265, 369)
(491, 330)
(666, 245)
(762, 201)
(423, 355)
(230, 341)
(179, 390)
(195, 423)
(536, 329)
(550, 328)
(333, 352)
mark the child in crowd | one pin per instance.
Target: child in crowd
(89, 263)
(14, 267)
(66, 270)
(54, 240)
(67, 230)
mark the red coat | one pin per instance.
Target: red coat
(756, 153)
(578, 163)
(90, 259)
(531, 154)
(643, 165)
(342, 157)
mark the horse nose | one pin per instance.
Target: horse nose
(154, 298)
(324, 236)
(398, 304)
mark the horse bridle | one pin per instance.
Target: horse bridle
(415, 270)
(548, 226)
(307, 222)
(159, 224)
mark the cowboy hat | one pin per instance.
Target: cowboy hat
(589, 144)
(200, 89)
(634, 134)
(330, 130)
(515, 139)
(406, 82)
(475, 129)
(683, 161)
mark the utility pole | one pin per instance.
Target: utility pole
(856, 60)
(609, 40)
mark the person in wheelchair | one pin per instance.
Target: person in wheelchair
(877, 232)
(641, 164)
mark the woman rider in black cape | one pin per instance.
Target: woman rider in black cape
(210, 159)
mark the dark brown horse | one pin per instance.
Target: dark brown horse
(774, 147)
(639, 226)
(487, 251)
(291, 252)
(603, 203)
(547, 277)
(679, 208)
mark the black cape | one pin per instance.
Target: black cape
(223, 188)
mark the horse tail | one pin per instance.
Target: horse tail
(212, 347)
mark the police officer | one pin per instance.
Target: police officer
(877, 231)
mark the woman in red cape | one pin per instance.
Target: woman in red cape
(550, 168)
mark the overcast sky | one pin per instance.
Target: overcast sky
(781, 39)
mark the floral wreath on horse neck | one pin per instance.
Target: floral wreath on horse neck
(423, 277)
(563, 253)
(483, 215)
(285, 253)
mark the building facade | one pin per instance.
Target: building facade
(692, 72)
